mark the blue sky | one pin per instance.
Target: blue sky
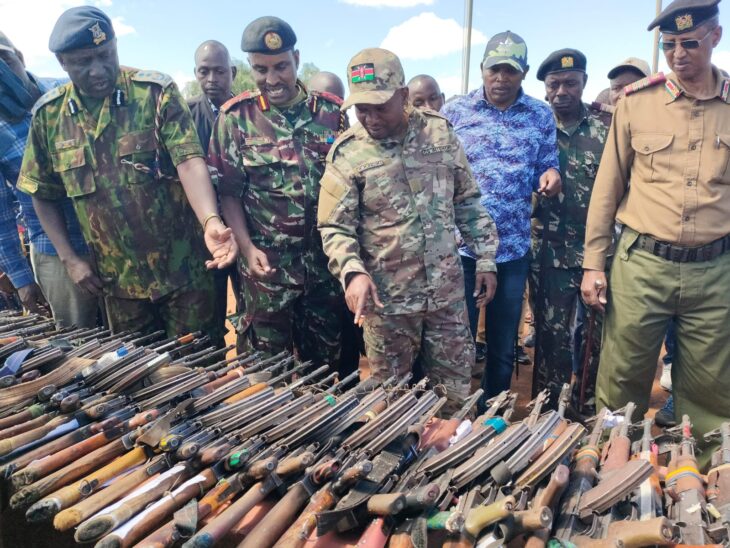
(426, 34)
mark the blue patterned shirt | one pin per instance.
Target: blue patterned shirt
(508, 151)
(17, 207)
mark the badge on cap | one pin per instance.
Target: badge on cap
(272, 40)
(684, 22)
(567, 62)
(362, 73)
(97, 34)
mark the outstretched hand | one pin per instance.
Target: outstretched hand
(221, 244)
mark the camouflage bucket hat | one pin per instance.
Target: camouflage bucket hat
(506, 48)
(373, 75)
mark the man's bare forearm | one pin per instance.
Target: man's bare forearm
(199, 190)
(236, 220)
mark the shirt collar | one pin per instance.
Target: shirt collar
(582, 119)
(674, 88)
(121, 90)
(478, 96)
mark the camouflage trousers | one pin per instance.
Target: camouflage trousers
(441, 338)
(558, 351)
(184, 310)
(283, 317)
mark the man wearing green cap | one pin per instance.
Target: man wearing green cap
(268, 149)
(557, 251)
(122, 145)
(671, 138)
(395, 187)
(509, 140)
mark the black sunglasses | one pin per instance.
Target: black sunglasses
(686, 44)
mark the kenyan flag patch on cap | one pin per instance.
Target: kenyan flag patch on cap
(362, 73)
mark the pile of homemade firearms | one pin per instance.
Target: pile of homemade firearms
(129, 440)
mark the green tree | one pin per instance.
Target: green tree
(244, 80)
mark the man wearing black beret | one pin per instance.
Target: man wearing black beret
(671, 138)
(268, 148)
(122, 145)
(555, 272)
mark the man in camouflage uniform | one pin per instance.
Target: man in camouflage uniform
(557, 253)
(395, 186)
(268, 148)
(114, 140)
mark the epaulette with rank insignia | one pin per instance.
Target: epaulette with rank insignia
(725, 94)
(153, 76)
(49, 96)
(644, 83)
(248, 95)
(331, 97)
(603, 107)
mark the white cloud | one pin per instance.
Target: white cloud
(721, 59)
(182, 78)
(29, 32)
(426, 36)
(29, 24)
(388, 3)
(121, 28)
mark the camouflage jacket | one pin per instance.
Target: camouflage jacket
(275, 167)
(580, 149)
(388, 208)
(141, 229)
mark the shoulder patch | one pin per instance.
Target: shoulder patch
(603, 107)
(49, 96)
(645, 83)
(153, 77)
(331, 97)
(725, 94)
(249, 94)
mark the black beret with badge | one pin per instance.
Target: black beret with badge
(82, 27)
(562, 60)
(685, 15)
(269, 35)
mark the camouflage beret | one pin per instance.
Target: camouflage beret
(562, 60)
(269, 35)
(79, 28)
(685, 15)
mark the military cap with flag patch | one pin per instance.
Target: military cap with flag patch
(562, 60)
(685, 15)
(506, 48)
(373, 76)
(269, 35)
(80, 28)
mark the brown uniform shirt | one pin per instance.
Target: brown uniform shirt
(675, 150)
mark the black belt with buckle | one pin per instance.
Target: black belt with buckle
(679, 254)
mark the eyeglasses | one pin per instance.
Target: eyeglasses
(686, 44)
